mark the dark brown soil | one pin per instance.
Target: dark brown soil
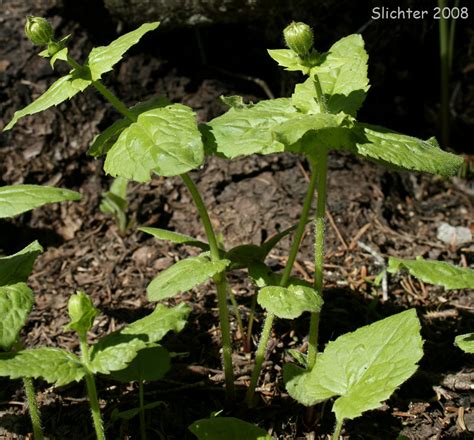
(248, 200)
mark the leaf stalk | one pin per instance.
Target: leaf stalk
(33, 408)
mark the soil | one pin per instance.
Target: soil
(249, 199)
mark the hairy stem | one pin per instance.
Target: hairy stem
(221, 286)
(141, 398)
(267, 327)
(91, 390)
(33, 408)
(337, 430)
(320, 169)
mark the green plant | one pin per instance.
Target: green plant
(16, 298)
(112, 353)
(114, 202)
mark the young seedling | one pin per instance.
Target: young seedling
(114, 202)
(154, 137)
(112, 353)
(319, 117)
(16, 298)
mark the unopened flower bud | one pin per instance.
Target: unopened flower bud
(299, 38)
(82, 312)
(38, 30)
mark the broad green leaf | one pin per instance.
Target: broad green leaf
(465, 342)
(119, 351)
(165, 141)
(307, 133)
(245, 255)
(435, 272)
(245, 131)
(102, 59)
(263, 276)
(161, 321)
(183, 276)
(343, 79)
(235, 101)
(286, 58)
(16, 301)
(54, 365)
(150, 364)
(104, 141)
(17, 267)
(404, 152)
(61, 90)
(174, 237)
(289, 302)
(363, 368)
(271, 242)
(16, 199)
(228, 428)
(133, 412)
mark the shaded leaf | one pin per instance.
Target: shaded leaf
(61, 90)
(17, 267)
(465, 342)
(165, 141)
(435, 272)
(174, 237)
(16, 302)
(102, 59)
(228, 428)
(150, 364)
(404, 152)
(183, 276)
(54, 365)
(244, 131)
(363, 368)
(16, 199)
(133, 412)
(289, 302)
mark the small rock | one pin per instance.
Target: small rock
(452, 235)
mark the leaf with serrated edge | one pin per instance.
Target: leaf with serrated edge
(150, 364)
(16, 199)
(363, 368)
(465, 342)
(289, 302)
(343, 79)
(16, 301)
(404, 152)
(174, 237)
(245, 131)
(104, 141)
(183, 276)
(435, 272)
(54, 365)
(165, 141)
(115, 351)
(102, 59)
(17, 267)
(228, 428)
(61, 90)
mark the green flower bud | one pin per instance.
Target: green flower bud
(82, 312)
(38, 30)
(299, 38)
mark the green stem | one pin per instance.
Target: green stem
(337, 430)
(267, 327)
(321, 167)
(444, 58)
(319, 94)
(33, 408)
(452, 33)
(237, 314)
(221, 286)
(141, 398)
(106, 93)
(91, 389)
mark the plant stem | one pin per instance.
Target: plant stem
(91, 389)
(142, 410)
(238, 315)
(337, 430)
(320, 169)
(267, 327)
(106, 93)
(33, 408)
(221, 286)
(444, 59)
